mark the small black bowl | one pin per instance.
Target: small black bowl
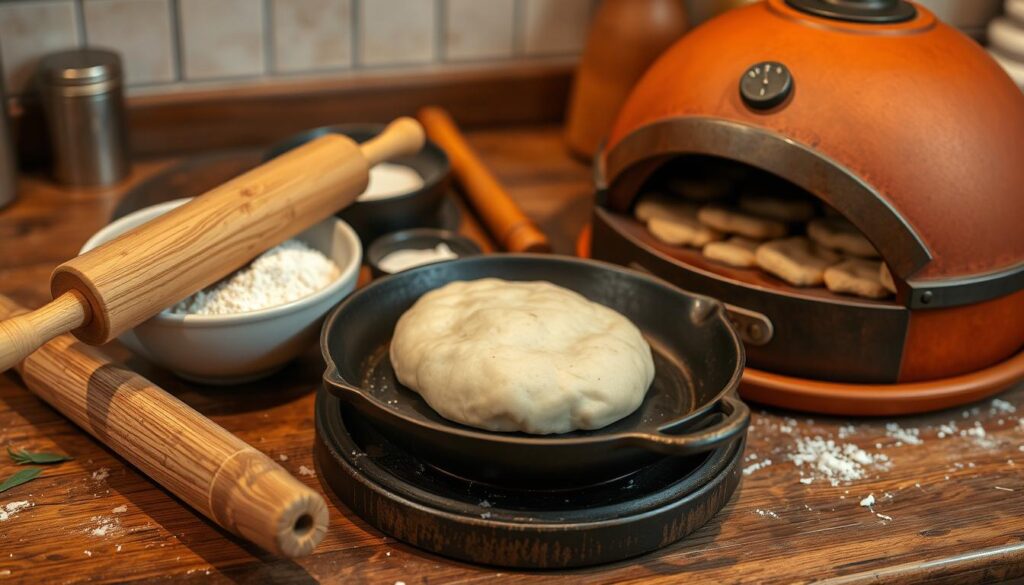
(417, 239)
(372, 219)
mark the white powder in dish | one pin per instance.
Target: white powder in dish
(400, 260)
(390, 180)
(280, 275)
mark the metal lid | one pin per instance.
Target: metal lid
(80, 67)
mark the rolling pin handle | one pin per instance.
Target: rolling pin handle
(23, 334)
(402, 137)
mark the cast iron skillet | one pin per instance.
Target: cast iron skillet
(690, 408)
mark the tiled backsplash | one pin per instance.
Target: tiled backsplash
(169, 44)
(172, 44)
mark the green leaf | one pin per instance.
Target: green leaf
(23, 476)
(23, 457)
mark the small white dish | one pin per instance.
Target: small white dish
(230, 349)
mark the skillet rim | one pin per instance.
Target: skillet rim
(717, 312)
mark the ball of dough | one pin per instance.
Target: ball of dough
(521, 356)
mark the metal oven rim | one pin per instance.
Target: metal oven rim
(620, 171)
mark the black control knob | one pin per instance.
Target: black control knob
(765, 85)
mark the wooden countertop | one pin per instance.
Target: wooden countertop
(949, 504)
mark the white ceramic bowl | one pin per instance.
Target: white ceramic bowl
(229, 349)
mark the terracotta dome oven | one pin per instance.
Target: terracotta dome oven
(872, 110)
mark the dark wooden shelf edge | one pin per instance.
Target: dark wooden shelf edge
(191, 122)
(196, 120)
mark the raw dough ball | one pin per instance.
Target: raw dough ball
(521, 356)
(736, 251)
(796, 260)
(839, 234)
(674, 222)
(856, 276)
(734, 221)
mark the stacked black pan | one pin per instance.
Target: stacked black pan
(522, 500)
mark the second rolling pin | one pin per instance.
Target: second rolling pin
(504, 220)
(120, 284)
(210, 469)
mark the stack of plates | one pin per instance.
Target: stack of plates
(1006, 40)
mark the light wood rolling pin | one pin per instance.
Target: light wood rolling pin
(120, 284)
(210, 469)
(505, 221)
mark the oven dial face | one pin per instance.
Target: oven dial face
(765, 85)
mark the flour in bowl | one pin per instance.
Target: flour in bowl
(391, 180)
(280, 275)
(400, 260)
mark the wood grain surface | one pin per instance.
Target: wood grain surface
(956, 503)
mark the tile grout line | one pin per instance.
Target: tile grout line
(357, 55)
(83, 34)
(518, 28)
(178, 40)
(440, 31)
(269, 45)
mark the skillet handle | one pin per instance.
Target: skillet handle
(339, 388)
(736, 421)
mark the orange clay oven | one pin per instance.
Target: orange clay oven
(897, 121)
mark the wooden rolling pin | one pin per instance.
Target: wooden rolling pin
(210, 469)
(120, 284)
(505, 221)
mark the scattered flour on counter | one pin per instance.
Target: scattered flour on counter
(305, 471)
(980, 436)
(999, 405)
(101, 474)
(947, 430)
(868, 501)
(280, 275)
(756, 466)
(282, 457)
(766, 513)
(836, 463)
(120, 509)
(102, 530)
(105, 525)
(87, 553)
(12, 508)
(902, 435)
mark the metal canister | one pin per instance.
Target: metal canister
(83, 98)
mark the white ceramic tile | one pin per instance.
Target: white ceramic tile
(29, 30)
(221, 38)
(312, 34)
(554, 27)
(140, 30)
(397, 32)
(479, 29)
